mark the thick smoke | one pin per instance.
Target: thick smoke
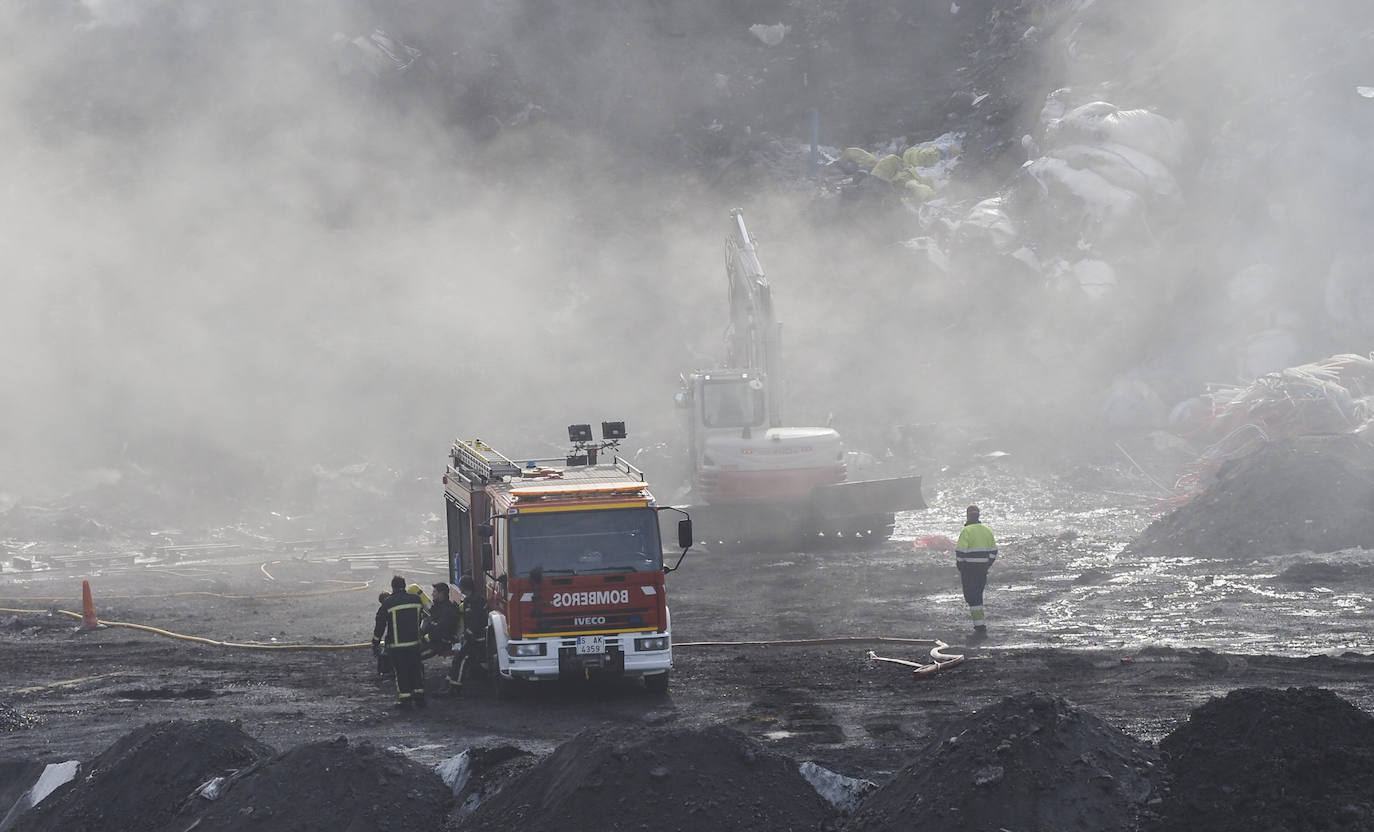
(251, 241)
(246, 241)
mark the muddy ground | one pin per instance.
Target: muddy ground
(1137, 642)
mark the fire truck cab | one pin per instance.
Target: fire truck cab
(569, 556)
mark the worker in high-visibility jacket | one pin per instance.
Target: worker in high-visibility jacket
(974, 555)
(398, 624)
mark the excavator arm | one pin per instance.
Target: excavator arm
(752, 340)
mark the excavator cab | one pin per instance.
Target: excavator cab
(733, 402)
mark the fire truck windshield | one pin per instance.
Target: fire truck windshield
(583, 542)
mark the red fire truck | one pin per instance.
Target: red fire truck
(569, 556)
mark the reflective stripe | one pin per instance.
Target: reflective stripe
(396, 625)
(977, 613)
(975, 558)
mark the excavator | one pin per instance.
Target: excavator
(754, 480)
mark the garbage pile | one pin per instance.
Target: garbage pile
(1309, 493)
(912, 174)
(674, 781)
(1288, 466)
(1029, 762)
(1324, 397)
(145, 778)
(1265, 760)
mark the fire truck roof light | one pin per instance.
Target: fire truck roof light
(534, 492)
(612, 430)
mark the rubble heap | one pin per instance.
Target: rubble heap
(145, 778)
(674, 781)
(1031, 762)
(11, 719)
(1264, 760)
(1309, 493)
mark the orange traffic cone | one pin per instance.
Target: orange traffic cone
(88, 619)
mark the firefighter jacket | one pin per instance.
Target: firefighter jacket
(475, 616)
(443, 621)
(976, 545)
(398, 620)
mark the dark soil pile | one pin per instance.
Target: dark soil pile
(1320, 573)
(17, 777)
(1312, 493)
(142, 781)
(1265, 760)
(332, 786)
(672, 781)
(1033, 763)
(489, 769)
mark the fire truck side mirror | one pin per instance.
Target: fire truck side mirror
(486, 557)
(684, 533)
(485, 531)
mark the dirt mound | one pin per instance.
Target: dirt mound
(1311, 493)
(349, 786)
(141, 781)
(17, 777)
(480, 772)
(1031, 762)
(706, 780)
(1321, 573)
(1260, 759)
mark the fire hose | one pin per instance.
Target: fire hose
(939, 658)
(244, 645)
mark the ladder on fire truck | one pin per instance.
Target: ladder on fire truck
(480, 462)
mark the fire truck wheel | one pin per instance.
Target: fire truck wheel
(657, 683)
(500, 685)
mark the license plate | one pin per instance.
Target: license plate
(590, 645)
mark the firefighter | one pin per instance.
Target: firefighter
(384, 668)
(398, 626)
(439, 631)
(474, 644)
(414, 589)
(974, 555)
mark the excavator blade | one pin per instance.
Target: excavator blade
(865, 497)
(854, 515)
